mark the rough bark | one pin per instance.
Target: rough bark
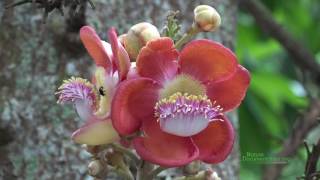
(36, 57)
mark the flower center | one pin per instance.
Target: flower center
(105, 84)
(74, 89)
(80, 92)
(185, 115)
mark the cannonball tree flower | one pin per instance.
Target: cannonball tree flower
(179, 101)
(93, 100)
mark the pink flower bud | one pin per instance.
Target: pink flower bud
(206, 18)
(121, 38)
(138, 36)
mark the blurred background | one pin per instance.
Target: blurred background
(276, 106)
(278, 41)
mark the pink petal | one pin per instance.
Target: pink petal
(216, 141)
(157, 60)
(95, 48)
(133, 73)
(164, 149)
(133, 103)
(230, 92)
(121, 57)
(207, 60)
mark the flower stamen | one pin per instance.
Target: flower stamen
(186, 115)
(74, 89)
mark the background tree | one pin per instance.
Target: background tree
(277, 41)
(38, 56)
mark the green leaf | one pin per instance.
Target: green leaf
(275, 90)
(172, 27)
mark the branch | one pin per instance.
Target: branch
(17, 3)
(301, 56)
(303, 126)
(75, 6)
(305, 60)
(311, 165)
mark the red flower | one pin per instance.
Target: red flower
(179, 100)
(113, 58)
(93, 100)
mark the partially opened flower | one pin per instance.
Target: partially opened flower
(138, 36)
(93, 100)
(179, 100)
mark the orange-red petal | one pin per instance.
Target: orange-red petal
(133, 103)
(164, 149)
(95, 48)
(120, 55)
(230, 92)
(207, 60)
(216, 141)
(158, 60)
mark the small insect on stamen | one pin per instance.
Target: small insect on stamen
(102, 92)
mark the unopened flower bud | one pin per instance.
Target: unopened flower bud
(192, 168)
(121, 38)
(212, 175)
(206, 18)
(215, 176)
(138, 36)
(95, 167)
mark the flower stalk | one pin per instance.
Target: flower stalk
(118, 164)
(126, 152)
(187, 36)
(143, 170)
(156, 171)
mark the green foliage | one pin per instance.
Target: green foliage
(275, 97)
(172, 27)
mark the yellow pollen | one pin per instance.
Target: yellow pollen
(173, 98)
(76, 80)
(183, 83)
